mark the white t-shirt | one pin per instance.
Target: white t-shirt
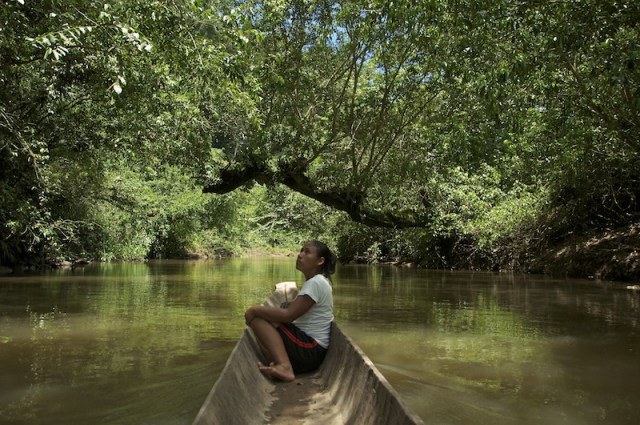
(317, 321)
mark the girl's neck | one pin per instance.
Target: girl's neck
(311, 274)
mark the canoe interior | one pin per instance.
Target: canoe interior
(346, 389)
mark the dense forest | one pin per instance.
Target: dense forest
(497, 135)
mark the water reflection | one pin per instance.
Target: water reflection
(481, 348)
(137, 343)
(143, 343)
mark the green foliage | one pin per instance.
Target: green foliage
(160, 213)
(281, 220)
(477, 122)
(106, 83)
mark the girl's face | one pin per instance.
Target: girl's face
(308, 261)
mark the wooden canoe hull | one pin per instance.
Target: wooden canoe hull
(346, 389)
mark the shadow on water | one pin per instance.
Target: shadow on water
(144, 343)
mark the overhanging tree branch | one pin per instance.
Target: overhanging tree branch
(349, 201)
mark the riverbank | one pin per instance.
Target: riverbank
(612, 255)
(608, 255)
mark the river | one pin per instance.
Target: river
(142, 343)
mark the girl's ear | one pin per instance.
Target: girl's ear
(321, 261)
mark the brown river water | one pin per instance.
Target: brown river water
(142, 343)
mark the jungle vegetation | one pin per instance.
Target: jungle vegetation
(449, 133)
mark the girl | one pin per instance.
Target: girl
(295, 339)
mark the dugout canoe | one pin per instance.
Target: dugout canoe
(346, 389)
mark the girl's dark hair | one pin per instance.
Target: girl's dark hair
(330, 260)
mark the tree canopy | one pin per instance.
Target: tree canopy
(363, 104)
(471, 123)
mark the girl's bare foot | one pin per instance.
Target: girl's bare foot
(278, 371)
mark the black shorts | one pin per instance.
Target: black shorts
(305, 354)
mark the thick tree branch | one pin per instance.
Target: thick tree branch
(351, 202)
(231, 179)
